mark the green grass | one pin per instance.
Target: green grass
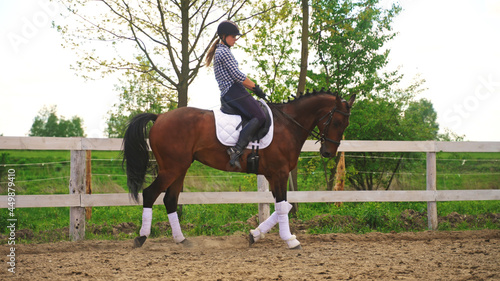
(480, 170)
(51, 224)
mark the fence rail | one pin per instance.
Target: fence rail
(49, 143)
(187, 198)
(77, 200)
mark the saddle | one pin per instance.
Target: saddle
(228, 123)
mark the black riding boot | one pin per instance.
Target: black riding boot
(246, 135)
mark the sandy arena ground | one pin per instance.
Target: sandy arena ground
(468, 255)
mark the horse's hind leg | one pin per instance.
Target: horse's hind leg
(170, 201)
(149, 196)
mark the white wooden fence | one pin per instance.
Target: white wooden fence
(77, 200)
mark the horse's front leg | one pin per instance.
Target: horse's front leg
(282, 208)
(280, 215)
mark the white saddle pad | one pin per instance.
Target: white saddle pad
(225, 127)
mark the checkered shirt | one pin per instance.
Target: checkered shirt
(226, 69)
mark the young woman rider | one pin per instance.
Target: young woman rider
(233, 84)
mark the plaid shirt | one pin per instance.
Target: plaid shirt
(226, 69)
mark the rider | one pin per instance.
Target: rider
(232, 83)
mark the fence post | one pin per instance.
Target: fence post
(77, 186)
(431, 186)
(264, 209)
(88, 181)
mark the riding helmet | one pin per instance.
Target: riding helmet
(228, 27)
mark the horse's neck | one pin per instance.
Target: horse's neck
(307, 111)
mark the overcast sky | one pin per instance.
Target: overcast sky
(453, 45)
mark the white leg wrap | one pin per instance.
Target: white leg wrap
(147, 217)
(282, 208)
(176, 227)
(264, 227)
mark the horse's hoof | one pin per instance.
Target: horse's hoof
(255, 235)
(298, 247)
(139, 241)
(186, 243)
(251, 240)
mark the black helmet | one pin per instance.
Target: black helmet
(228, 27)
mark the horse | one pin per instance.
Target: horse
(181, 136)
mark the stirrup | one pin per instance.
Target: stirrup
(234, 155)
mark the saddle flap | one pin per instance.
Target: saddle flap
(228, 127)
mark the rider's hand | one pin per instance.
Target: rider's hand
(258, 91)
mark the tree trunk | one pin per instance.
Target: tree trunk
(302, 83)
(394, 172)
(182, 92)
(182, 88)
(305, 47)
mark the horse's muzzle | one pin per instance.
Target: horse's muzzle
(325, 153)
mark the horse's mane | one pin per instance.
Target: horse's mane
(277, 108)
(307, 95)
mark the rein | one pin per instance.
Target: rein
(320, 137)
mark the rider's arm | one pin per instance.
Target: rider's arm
(249, 84)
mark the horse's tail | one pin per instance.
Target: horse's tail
(136, 152)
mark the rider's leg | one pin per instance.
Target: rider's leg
(238, 97)
(245, 137)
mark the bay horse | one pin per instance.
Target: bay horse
(181, 136)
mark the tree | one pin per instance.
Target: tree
(139, 93)
(48, 124)
(346, 40)
(167, 33)
(387, 115)
(449, 135)
(271, 47)
(348, 37)
(419, 120)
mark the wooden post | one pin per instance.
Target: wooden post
(77, 186)
(431, 186)
(88, 181)
(264, 208)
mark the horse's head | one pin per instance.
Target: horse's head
(333, 124)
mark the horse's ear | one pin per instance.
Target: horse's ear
(351, 100)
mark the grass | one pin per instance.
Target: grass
(36, 225)
(51, 224)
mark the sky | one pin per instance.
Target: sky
(453, 45)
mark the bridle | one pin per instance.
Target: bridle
(321, 137)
